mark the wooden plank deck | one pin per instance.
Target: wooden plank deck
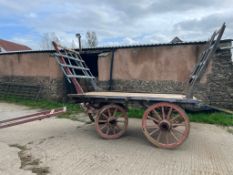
(125, 94)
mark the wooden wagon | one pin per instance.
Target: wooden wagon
(164, 123)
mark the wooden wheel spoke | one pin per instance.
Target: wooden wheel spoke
(117, 126)
(106, 117)
(152, 127)
(114, 113)
(169, 113)
(157, 115)
(103, 126)
(174, 136)
(109, 112)
(111, 128)
(177, 131)
(149, 117)
(175, 118)
(178, 124)
(153, 132)
(163, 113)
(159, 136)
(114, 131)
(108, 129)
(166, 138)
(103, 121)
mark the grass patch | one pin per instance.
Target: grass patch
(218, 118)
(135, 113)
(44, 104)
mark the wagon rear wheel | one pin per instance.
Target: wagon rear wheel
(111, 121)
(165, 125)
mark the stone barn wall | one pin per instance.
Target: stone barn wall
(38, 69)
(166, 69)
(156, 69)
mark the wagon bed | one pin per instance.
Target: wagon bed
(131, 97)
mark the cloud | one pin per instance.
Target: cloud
(180, 5)
(116, 21)
(200, 28)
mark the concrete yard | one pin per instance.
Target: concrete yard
(60, 146)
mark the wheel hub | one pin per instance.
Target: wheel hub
(165, 125)
(112, 120)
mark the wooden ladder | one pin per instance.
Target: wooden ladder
(73, 66)
(203, 60)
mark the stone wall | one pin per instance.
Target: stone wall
(52, 89)
(220, 82)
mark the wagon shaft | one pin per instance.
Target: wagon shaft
(32, 117)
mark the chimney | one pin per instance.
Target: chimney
(79, 41)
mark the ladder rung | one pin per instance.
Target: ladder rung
(193, 76)
(74, 67)
(69, 57)
(80, 76)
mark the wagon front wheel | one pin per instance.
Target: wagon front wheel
(111, 121)
(165, 125)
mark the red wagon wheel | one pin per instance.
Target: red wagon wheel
(165, 125)
(111, 121)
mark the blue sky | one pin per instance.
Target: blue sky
(116, 22)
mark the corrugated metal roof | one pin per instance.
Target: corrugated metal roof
(109, 48)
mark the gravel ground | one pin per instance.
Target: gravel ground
(60, 146)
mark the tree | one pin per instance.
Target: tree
(47, 38)
(91, 38)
